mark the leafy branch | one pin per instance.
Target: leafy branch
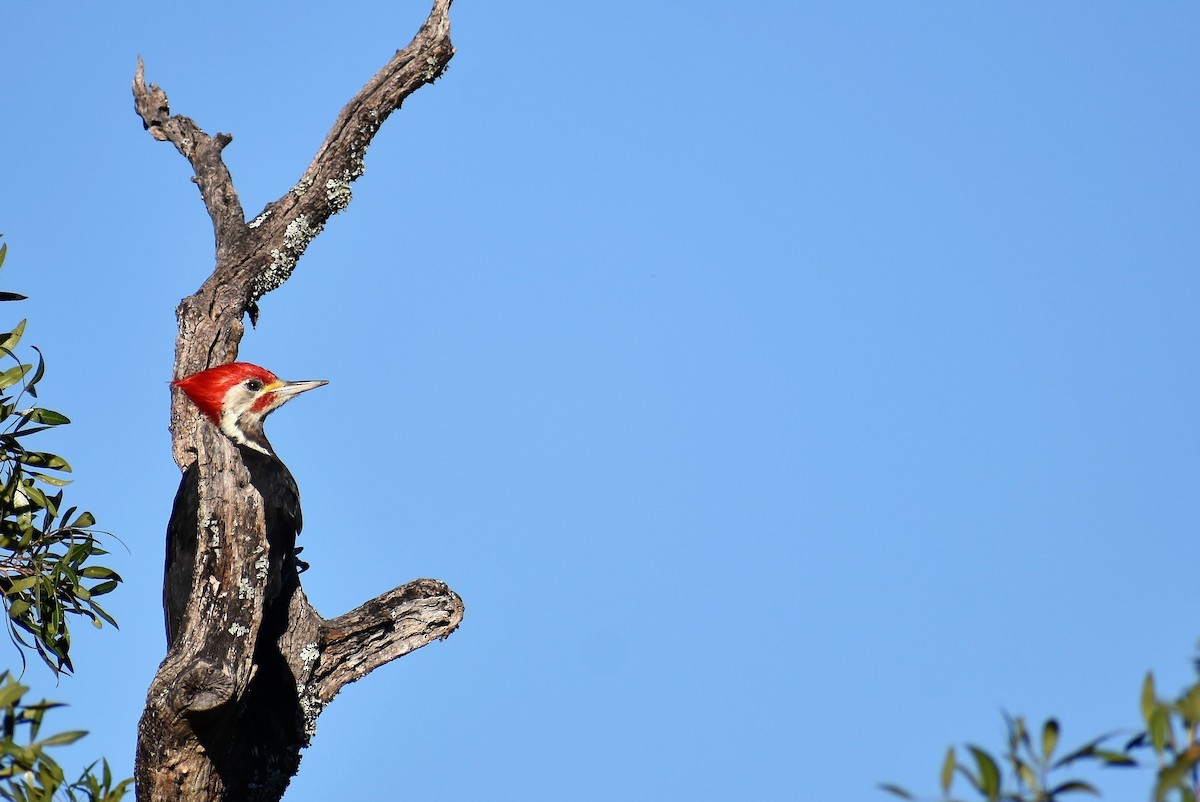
(1023, 772)
(27, 773)
(47, 575)
(1170, 735)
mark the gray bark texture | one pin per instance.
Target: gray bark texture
(252, 663)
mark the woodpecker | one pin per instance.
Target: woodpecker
(237, 398)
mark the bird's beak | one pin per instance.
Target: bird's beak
(285, 390)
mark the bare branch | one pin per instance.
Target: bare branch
(279, 235)
(202, 150)
(290, 223)
(387, 627)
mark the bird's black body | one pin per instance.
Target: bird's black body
(281, 501)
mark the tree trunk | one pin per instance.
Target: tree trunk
(252, 663)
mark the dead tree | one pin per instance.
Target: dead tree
(239, 691)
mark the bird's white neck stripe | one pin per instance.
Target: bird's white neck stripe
(231, 429)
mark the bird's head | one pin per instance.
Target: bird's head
(238, 397)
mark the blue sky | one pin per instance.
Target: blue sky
(787, 388)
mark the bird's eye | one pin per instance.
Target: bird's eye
(254, 385)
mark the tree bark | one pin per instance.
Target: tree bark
(239, 691)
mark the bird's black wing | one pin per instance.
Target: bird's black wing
(181, 551)
(281, 500)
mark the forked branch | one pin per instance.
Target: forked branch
(279, 235)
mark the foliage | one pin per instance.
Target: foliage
(47, 575)
(27, 773)
(1170, 737)
(43, 548)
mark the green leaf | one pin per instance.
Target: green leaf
(948, 771)
(13, 337)
(105, 587)
(12, 296)
(41, 459)
(1189, 705)
(989, 772)
(1025, 774)
(1049, 738)
(98, 572)
(24, 583)
(54, 481)
(896, 790)
(24, 431)
(101, 612)
(1087, 750)
(13, 375)
(1149, 698)
(47, 416)
(37, 373)
(11, 693)
(1111, 758)
(1160, 728)
(63, 738)
(35, 497)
